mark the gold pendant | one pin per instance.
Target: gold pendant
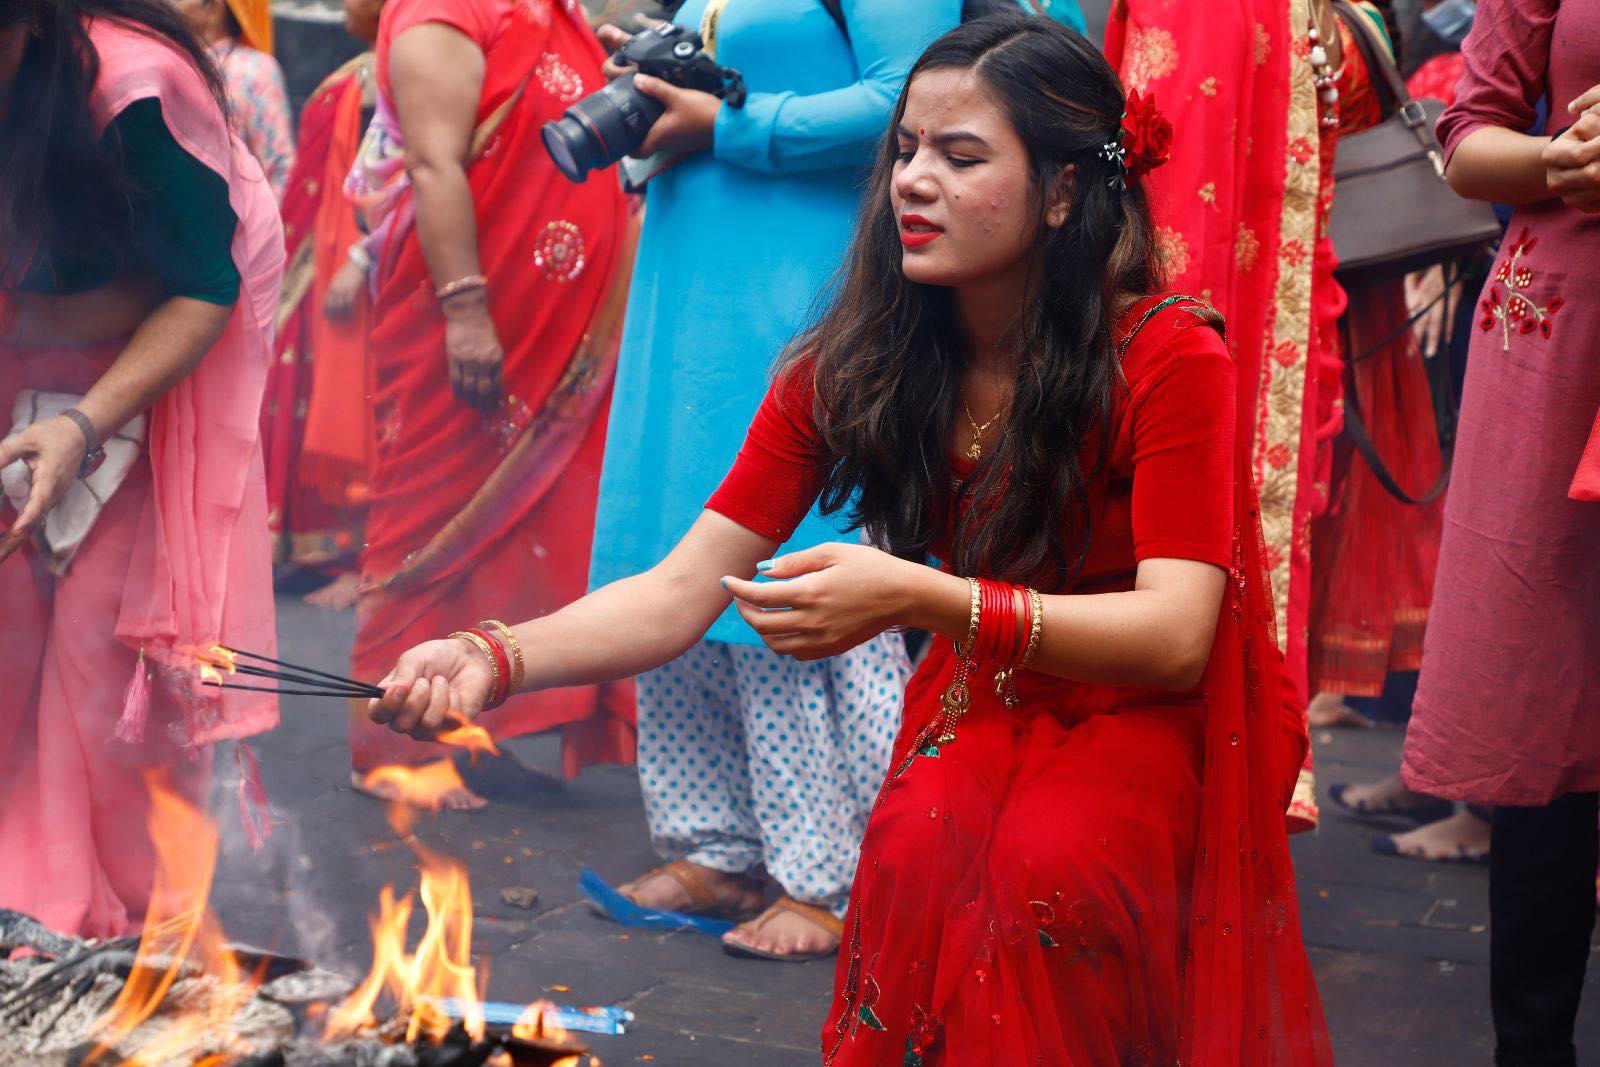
(975, 451)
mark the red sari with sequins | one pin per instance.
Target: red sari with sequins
(1100, 875)
(474, 517)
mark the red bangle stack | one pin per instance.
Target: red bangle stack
(502, 662)
(1000, 637)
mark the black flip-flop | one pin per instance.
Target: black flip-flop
(1383, 845)
(1421, 814)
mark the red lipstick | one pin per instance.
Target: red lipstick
(916, 231)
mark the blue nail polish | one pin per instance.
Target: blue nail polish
(764, 566)
(723, 582)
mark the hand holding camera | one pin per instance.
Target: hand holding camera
(665, 99)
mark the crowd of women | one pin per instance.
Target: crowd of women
(955, 342)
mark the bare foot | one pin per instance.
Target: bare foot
(337, 595)
(1386, 797)
(462, 799)
(784, 933)
(1330, 710)
(732, 894)
(1463, 837)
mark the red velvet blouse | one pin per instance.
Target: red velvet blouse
(1167, 491)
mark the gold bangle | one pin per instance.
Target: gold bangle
(488, 653)
(1036, 603)
(964, 649)
(461, 285)
(513, 646)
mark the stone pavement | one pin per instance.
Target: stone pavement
(1401, 949)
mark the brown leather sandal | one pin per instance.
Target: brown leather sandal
(820, 917)
(703, 899)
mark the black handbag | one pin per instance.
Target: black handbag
(1393, 212)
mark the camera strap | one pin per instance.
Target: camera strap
(708, 26)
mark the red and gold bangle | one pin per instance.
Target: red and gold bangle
(513, 647)
(496, 657)
(965, 649)
(989, 621)
(1035, 626)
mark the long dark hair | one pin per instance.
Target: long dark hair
(888, 354)
(64, 191)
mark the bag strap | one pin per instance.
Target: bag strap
(1380, 63)
(1441, 388)
(1392, 87)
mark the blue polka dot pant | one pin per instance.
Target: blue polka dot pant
(748, 758)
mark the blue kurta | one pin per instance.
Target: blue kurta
(738, 245)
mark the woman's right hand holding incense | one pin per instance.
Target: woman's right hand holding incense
(433, 682)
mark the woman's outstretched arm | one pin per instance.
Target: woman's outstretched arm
(628, 627)
(833, 597)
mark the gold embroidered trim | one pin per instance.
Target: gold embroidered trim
(297, 279)
(1280, 408)
(1303, 805)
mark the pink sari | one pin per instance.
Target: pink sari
(178, 559)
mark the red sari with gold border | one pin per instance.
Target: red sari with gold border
(1242, 213)
(1099, 875)
(316, 420)
(476, 517)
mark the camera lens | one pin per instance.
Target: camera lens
(600, 129)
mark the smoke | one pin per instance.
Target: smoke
(267, 896)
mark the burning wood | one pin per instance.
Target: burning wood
(182, 996)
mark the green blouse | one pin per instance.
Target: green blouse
(183, 223)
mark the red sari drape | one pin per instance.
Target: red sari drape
(1099, 875)
(1242, 215)
(1373, 557)
(316, 423)
(476, 517)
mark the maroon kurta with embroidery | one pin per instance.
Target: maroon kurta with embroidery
(1506, 711)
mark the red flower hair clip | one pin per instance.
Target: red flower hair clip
(1143, 141)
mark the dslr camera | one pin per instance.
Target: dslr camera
(610, 123)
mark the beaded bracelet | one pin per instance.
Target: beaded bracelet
(513, 646)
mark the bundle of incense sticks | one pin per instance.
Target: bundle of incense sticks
(314, 682)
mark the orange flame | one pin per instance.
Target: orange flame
(533, 1026)
(441, 967)
(177, 926)
(472, 737)
(420, 787)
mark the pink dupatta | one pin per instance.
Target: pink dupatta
(201, 571)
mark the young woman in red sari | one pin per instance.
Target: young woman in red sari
(316, 423)
(1080, 859)
(500, 291)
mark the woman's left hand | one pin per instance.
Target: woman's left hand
(688, 123)
(53, 449)
(831, 598)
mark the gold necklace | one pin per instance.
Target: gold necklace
(975, 449)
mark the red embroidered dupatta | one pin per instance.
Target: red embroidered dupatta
(1237, 210)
